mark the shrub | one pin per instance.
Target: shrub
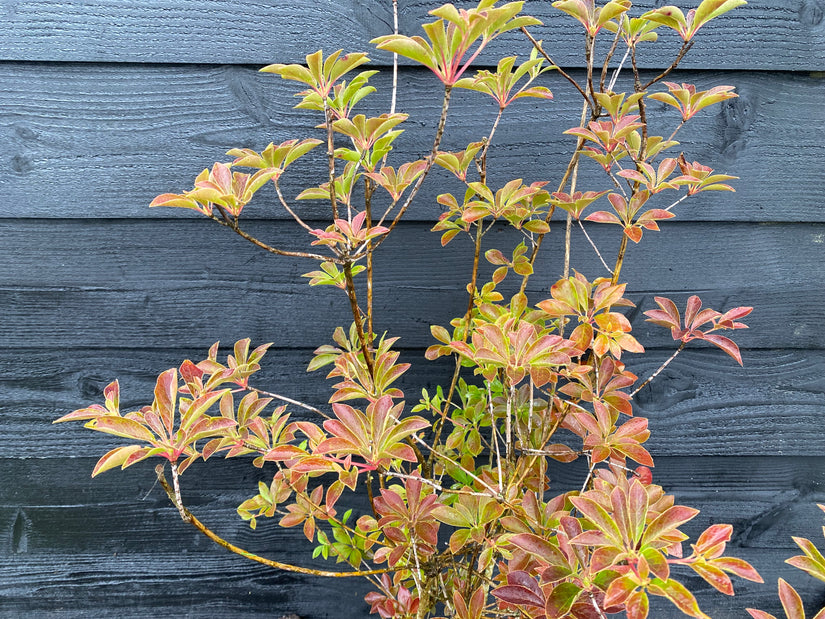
(462, 519)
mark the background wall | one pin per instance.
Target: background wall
(107, 104)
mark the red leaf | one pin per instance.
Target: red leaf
(725, 344)
(791, 601)
(518, 595)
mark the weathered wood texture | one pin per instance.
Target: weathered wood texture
(156, 284)
(107, 104)
(109, 138)
(775, 34)
(74, 553)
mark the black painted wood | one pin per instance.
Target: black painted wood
(775, 34)
(103, 140)
(103, 543)
(108, 104)
(147, 283)
(702, 404)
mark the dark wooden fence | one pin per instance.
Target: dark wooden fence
(107, 104)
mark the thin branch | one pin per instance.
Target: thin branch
(619, 260)
(394, 60)
(569, 223)
(233, 225)
(608, 58)
(495, 437)
(290, 400)
(356, 316)
(288, 209)
(657, 372)
(680, 200)
(599, 611)
(368, 191)
(178, 501)
(433, 484)
(684, 50)
(593, 245)
(561, 71)
(439, 133)
(589, 476)
(618, 70)
(494, 492)
(190, 518)
(330, 158)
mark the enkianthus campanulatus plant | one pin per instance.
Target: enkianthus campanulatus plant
(462, 519)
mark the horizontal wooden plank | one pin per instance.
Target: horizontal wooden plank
(103, 141)
(63, 511)
(702, 404)
(169, 585)
(134, 284)
(771, 34)
(111, 544)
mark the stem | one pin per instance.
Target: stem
(684, 50)
(657, 372)
(599, 611)
(439, 133)
(290, 400)
(642, 110)
(589, 476)
(495, 437)
(561, 71)
(371, 496)
(356, 315)
(233, 225)
(331, 159)
(569, 224)
(433, 484)
(190, 518)
(508, 427)
(593, 245)
(368, 191)
(589, 47)
(619, 260)
(286, 207)
(682, 199)
(618, 70)
(178, 500)
(608, 58)
(394, 59)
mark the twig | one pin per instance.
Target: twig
(593, 245)
(561, 71)
(178, 501)
(618, 70)
(439, 133)
(233, 225)
(657, 372)
(290, 400)
(684, 50)
(682, 199)
(300, 221)
(190, 518)
(599, 611)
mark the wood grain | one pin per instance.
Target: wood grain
(775, 34)
(105, 546)
(702, 404)
(126, 284)
(96, 140)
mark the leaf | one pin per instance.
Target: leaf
(123, 427)
(791, 602)
(679, 595)
(115, 457)
(668, 521)
(519, 595)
